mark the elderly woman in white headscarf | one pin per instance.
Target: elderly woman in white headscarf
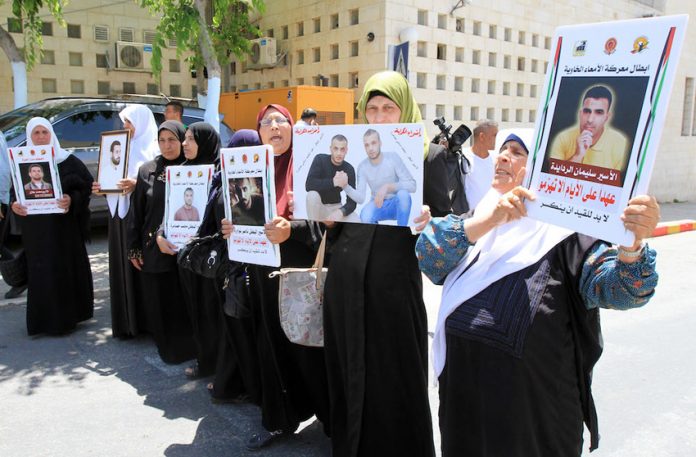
(518, 332)
(124, 284)
(60, 292)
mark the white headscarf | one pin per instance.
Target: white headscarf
(143, 148)
(59, 153)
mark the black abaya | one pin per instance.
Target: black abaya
(124, 283)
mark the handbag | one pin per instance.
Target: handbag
(237, 298)
(300, 301)
(205, 256)
(441, 246)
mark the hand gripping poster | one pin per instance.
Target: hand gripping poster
(35, 179)
(371, 174)
(602, 111)
(248, 183)
(186, 197)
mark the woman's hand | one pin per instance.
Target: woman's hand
(165, 246)
(137, 263)
(127, 185)
(18, 209)
(278, 230)
(422, 220)
(640, 217)
(96, 187)
(226, 227)
(64, 202)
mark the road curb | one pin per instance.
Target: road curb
(669, 228)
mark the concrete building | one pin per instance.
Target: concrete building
(104, 50)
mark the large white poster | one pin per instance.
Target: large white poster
(35, 179)
(601, 116)
(186, 197)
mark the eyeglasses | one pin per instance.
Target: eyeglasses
(280, 120)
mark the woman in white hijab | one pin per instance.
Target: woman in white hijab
(517, 333)
(60, 292)
(124, 282)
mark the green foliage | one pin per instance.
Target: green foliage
(27, 11)
(229, 29)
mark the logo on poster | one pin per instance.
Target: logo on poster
(640, 44)
(579, 48)
(610, 46)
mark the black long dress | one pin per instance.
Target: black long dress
(162, 298)
(375, 330)
(293, 377)
(60, 292)
(124, 283)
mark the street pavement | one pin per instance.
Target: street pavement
(87, 394)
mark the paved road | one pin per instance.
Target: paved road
(87, 394)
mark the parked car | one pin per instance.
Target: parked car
(78, 123)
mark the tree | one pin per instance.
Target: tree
(27, 13)
(214, 30)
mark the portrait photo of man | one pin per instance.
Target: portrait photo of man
(247, 201)
(390, 183)
(36, 186)
(115, 150)
(592, 140)
(328, 177)
(187, 212)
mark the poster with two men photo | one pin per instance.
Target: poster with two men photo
(248, 184)
(370, 174)
(35, 179)
(186, 197)
(602, 111)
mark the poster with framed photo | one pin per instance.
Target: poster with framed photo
(371, 174)
(248, 183)
(113, 160)
(602, 112)
(35, 179)
(186, 195)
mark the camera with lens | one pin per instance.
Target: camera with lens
(454, 140)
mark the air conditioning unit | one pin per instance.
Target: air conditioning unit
(133, 56)
(263, 54)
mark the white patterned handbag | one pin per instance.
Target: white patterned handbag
(300, 299)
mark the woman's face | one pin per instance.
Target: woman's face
(190, 146)
(128, 126)
(382, 110)
(40, 136)
(275, 130)
(508, 163)
(169, 144)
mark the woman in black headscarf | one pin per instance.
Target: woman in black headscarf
(165, 311)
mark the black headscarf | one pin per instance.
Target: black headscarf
(208, 142)
(179, 130)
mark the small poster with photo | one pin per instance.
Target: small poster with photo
(370, 174)
(248, 182)
(35, 179)
(186, 197)
(113, 160)
(601, 117)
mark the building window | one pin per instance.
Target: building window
(284, 32)
(459, 54)
(128, 87)
(476, 57)
(477, 28)
(101, 33)
(333, 19)
(285, 83)
(174, 66)
(318, 81)
(270, 33)
(532, 115)
(300, 57)
(257, 86)
(300, 82)
(194, 91)
(546, 66)
(507, 34)
(74, 31)
(441, 51)
(175, 90)
(457, 115)
(535, 65)
(317, 24)
(152, 89)
(459, 83)
(547, 42)
(48, 57)
(333, 80)
(421, 80)
(300, 28)
(49, 85)
(317, 54)
(47, 28)
(75, 59)
(439, 110)
(492, 59)
(475, 85)
(507, 61)
(423, 110)
(506, 88)
(492, 31)
(441, 82)
(422, 17)
(505, 115)
(149, 36)
(490, 113)
(354, 16)
(474, 113)
(688, 110)
(520, 63)
(518, 115)
(354, 48)
(77, 86)
(459, 25)
(522, 37)
(126, 34)
(14, 25)
(535, 40)
(103, 88)
(520, 90)
(353, 80)
(422, 49)
(533, 90)
(270, 85)
(102, 61)
(442, 21)
(491, 87)
(334, 51)
(243, 87)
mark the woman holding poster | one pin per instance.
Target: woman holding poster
(60, 290)
(162, 299)
(375, 327)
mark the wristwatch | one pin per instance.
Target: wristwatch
(632, 254)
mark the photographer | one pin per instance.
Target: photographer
(446, 164)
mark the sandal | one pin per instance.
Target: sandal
(264, 438)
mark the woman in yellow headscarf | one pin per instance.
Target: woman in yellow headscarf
(375, 324)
